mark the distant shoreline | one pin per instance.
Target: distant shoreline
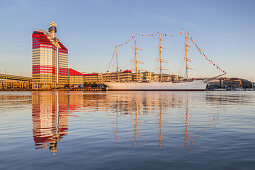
(100, 89)
(78, 89)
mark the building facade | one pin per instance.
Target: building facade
(75, 78)
(93, 78)
(49, 59)
(122, 76)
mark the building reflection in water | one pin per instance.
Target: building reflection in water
(14, 101)
(50, 118)
(51, 110)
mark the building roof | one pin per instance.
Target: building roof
(15, 77)
(127, 71)
(93, 74)
(40, 38)
(73, 72)
(63, 49)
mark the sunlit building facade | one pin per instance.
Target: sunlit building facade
(75, 78)
(123, 76)
(49, 59)
(93, 78)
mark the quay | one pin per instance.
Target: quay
(67, 89)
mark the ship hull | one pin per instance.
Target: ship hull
(197, 85)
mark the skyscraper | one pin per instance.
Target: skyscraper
(49, 59)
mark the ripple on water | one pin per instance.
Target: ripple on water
(127, 130)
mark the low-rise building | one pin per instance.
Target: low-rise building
(137, 76)
(75, 78)
(232, 83)
(108, 77)
(126, 76)
(122, 76)
(147, 76)
(229, 83)
(93, 78)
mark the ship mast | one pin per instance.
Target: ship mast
(117, 65)
(186, 56)
(160, 58)
(135, 60)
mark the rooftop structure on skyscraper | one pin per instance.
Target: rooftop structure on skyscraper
(53, 29)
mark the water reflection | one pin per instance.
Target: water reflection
(241, 98)
(187, 138)
(143, 103)
(160, 123)
(52, 109)
(50, 118)
(111, 130)
(11, 101)
(50, 112)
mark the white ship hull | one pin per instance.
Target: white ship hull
(197, 85)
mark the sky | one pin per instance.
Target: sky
(90, 29)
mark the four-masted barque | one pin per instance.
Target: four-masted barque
(161, 85)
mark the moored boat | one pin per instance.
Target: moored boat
(196, 85)
(193, 84)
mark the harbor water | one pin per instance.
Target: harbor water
(127, 130)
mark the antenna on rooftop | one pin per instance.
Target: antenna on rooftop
(53, 29)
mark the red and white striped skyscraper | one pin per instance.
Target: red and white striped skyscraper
(49, 59)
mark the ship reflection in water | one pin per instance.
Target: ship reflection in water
(50, 111)
(156, 103)
(127, 130)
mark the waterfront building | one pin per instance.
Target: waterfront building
(233, 83)
(156, 77)
(137, 76)
(75, 78)
(8, 81)
(122, 76)
(215, 84)
(93, 78)
(109, 77)
(147, 76)
(229, 83)
(174, 78)
(49, 59)
(126, 76)
(14, 84)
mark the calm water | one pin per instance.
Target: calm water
(127, 130)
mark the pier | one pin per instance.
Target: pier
(67, 89)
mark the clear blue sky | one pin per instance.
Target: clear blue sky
(224, 30)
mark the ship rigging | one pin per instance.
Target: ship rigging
(136, 84)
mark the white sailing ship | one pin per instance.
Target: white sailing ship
(196, 85)
(188, 85)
